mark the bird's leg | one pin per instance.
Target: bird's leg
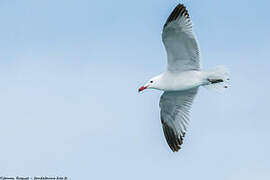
(214, 81)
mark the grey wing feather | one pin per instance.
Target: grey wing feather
(180, 42)
(174, 113)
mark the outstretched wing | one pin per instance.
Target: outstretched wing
(181, 45)
(175, 107)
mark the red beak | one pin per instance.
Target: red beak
(142, 88)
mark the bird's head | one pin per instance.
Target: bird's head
(153, 83)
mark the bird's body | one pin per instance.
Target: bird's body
(173, 81)
(183, 77)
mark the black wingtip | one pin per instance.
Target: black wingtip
(172, 139)
(179, 10)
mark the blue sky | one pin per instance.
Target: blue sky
(69, 74)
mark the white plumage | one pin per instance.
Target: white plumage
(183, 77)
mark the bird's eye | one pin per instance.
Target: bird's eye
(151, 81)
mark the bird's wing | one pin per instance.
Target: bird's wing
(175, 107)
(181, 44)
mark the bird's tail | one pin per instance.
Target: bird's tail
(217, 79)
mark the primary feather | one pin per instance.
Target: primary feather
(180, 42)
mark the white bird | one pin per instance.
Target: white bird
(183, 76)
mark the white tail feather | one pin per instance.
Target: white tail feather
(220, 73)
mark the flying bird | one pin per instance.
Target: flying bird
(183, 77)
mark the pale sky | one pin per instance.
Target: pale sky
(69, 74)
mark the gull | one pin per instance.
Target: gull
(183, 77)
